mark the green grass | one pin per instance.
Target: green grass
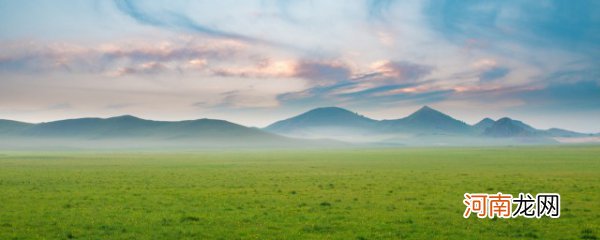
(338, 194)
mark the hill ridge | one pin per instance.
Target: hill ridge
(426, 125)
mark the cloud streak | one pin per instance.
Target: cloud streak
(173, 20)
(383, 81)
(493, 74)
(118, 59)
(401, 71)
(378, 8)
(566, 25)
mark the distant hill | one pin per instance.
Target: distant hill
(483, 124)
(132, 131)
(557, 132)
(424, 126)
(506, 127)
(9, 126)
(323, 117)
(133, 127)
(427, 121)
(327, 122)
(322, 127)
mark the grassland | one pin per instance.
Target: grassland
(291, 194)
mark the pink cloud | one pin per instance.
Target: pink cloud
(401, 71)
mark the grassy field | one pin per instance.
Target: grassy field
(412, 193)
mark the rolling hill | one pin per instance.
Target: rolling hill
(327, 122)
(335, 122)
(328, 126)
(424, 126)
(133, 127)
(323, 117)
(9, 126)
(483, 124)
(506, 127)
(427, 121)
(557, 132)
(130, 131)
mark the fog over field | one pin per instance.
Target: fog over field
(329, 127)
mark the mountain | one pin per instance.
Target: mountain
(483, 124)
(322, 117)
(427, 121)
(133, 127)
(328, 126)
(95, 128)
(425, 126)
(557, 132)
(506, 127)
(327, 122)
(132, 131)
(9, 126)
(341, 124)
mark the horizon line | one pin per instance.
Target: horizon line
(324, 107)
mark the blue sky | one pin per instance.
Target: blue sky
(255, 62)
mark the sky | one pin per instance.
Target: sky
(256, 62)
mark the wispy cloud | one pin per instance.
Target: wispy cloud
(383, 81)
(323, 72)
(317, 72)
(553, 23)
(378, 8)
(567, 97)
(174, 20)
(493, 74)
(148, 68)
(401, 71)
(264, 68)
(117, 59)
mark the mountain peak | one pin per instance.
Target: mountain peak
(484, 124)
(427, 119)
(128, 119)
(507, 127)
(426, 109)
(331, 113)
(322, 117)
(329, 110)
(426, 112)
(126, 116)
(504, 119)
